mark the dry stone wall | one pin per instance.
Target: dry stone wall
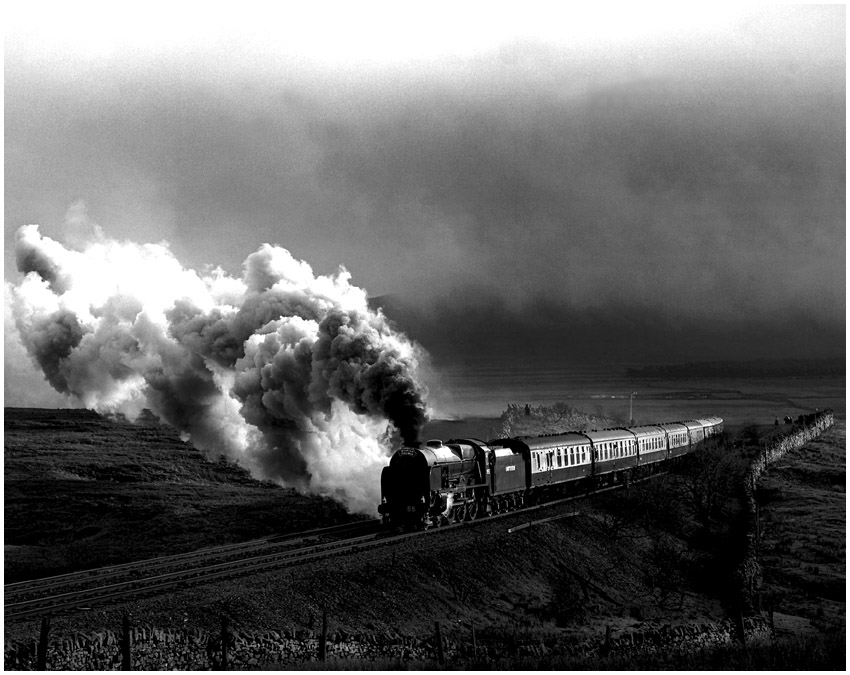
(749, 571)
(195, 649)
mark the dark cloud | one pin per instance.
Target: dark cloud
(687, 182)
(635, 193)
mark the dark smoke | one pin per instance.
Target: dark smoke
(290, 374)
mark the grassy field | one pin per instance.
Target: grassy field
(83, 491)
(803, 515)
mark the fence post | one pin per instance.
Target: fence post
(323, 644)
(441, 657)
(606, 648)
(225, 639)
(474, 642)
(41, 655)
(742, 635)
(126, 656)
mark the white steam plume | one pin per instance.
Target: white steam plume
(287, 373)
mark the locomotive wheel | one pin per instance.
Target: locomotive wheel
(471, 511)
(458, 513)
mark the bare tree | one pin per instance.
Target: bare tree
(711, 475)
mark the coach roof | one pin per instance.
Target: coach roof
(554, 441)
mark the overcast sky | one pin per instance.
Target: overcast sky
(509, 160)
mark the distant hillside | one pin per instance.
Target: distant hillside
(833, 367)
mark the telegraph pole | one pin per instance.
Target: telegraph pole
(631, 417)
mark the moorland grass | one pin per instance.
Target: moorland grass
(83, 491)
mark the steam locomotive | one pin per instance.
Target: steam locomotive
(435, 483)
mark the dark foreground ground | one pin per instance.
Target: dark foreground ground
(84, 491)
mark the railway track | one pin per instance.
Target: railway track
(63, 592)
(79, 591)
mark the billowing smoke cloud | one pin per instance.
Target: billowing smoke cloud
(288, 373)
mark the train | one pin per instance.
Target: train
(436, 483)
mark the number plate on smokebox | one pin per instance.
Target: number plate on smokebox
(411, 509)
